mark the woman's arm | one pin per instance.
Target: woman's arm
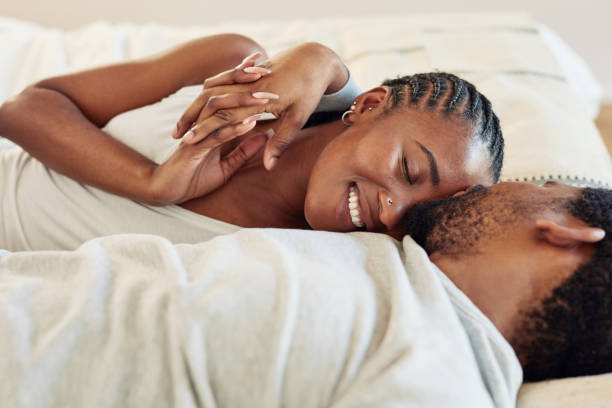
(105, 92)
(56, 120)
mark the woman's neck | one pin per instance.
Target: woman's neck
(255, 197)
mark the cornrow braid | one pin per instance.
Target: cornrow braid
(450, 94)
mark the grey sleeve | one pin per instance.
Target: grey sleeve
(341, 100)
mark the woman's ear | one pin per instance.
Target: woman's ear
(568, 236)
(372, 100)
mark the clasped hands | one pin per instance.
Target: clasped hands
(289, 86)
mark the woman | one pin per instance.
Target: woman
(411, 140)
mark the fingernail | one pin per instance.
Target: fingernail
(251, 56)
(257, 70)
(599, 234)
(265, 64)
(265, 95)
(252, 119)
(269, 133)
(175, 132)
(189, 136)
(272, 162)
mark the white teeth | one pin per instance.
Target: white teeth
(353, 206)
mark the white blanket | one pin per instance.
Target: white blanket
(259, 318)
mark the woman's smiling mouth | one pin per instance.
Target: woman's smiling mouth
(354, 208)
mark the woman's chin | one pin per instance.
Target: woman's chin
(322, 218)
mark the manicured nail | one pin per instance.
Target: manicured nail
(252, 119)
(265, 95)
(269, 133)
(189, 136)
(257, 70)
(272, 162)
(599, 234)
(257, 53)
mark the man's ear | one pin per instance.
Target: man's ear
(565, 236)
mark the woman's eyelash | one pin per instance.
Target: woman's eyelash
(406, 172)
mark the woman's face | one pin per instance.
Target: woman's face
(381, 167)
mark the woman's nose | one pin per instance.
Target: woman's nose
(392, 209)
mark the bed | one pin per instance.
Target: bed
(544, 94)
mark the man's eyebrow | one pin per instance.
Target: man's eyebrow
(433, 165)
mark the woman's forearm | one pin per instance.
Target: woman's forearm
(52, 129)
(102, 93)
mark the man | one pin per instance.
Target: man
(537, 261)
(268, 318)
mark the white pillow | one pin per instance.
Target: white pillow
(587, 392)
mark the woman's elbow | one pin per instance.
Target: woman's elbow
(241, 46)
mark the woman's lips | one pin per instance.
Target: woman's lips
(362, 219)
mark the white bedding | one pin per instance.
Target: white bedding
(545, 96)
(258, 318)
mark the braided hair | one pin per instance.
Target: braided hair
(450, 94)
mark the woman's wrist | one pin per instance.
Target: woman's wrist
(326, 64)
(339, 73)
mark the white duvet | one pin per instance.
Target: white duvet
(258, 318)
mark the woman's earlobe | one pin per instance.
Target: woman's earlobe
(567, 236)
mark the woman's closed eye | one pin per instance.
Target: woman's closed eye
(406, 171)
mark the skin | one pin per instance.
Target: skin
(517, 261)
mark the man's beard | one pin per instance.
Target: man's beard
(451, 225)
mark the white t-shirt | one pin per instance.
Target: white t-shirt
(41, 209)
(259, 318)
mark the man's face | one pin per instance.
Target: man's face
(467, 223)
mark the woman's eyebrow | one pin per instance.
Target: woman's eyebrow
(433, 165)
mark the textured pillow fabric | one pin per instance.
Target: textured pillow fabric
(589, 392)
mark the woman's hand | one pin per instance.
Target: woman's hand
(301, 76)
(198, 169)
